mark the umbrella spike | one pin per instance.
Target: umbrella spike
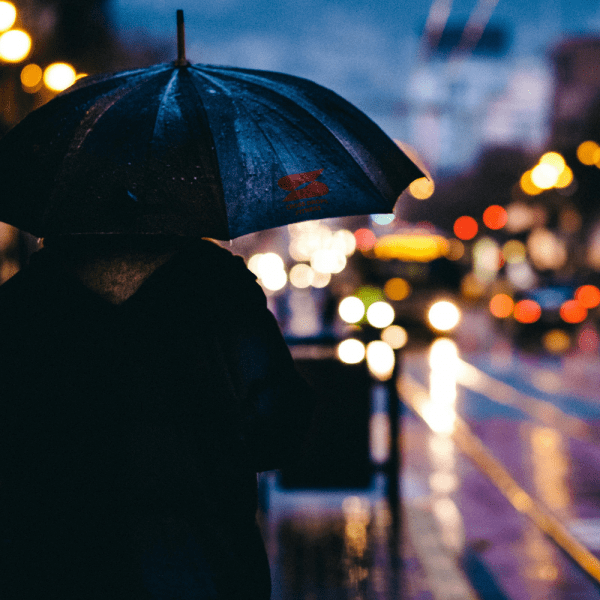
(181, 60)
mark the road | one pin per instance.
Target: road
(500, 490)
(505, 458)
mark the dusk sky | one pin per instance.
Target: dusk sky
(348, 45)
(367, 52)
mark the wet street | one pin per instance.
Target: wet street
(500, 490)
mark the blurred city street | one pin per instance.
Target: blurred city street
(454, 343)
(499, 489)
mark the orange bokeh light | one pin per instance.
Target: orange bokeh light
(588, 296)
(495, 217)
(572, 311)
(465, 228)
(527, 311)
(501, 306)
(365, 239)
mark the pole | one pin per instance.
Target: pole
(181, 60)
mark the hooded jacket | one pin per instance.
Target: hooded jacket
(131, 434)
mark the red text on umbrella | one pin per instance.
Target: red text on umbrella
(312, 190)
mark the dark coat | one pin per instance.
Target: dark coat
(131, 434)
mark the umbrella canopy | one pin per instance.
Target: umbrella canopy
(195, 150)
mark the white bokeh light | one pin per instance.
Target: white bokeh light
(380, 314)
(351, 351)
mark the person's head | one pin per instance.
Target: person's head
(85, 248)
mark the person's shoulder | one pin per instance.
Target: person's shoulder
(229, 272)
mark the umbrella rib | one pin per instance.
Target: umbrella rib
(306, 106)
(214, 81)
(85, 127)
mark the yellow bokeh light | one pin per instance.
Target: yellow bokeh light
(528, 186)
(514, 251)
(397, 288)
(556, 341)
(544, 176)
(554, 159)
(422, 188)
(588, 152)
(565, 179)
(59, 76)
(31, 77)
(15, 45)
(411, 247)
(8, 15)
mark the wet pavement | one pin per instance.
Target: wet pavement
(500, 491)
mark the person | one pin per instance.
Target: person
(144, 384)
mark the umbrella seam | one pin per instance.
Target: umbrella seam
(219, 179)
(238, 106)
(302, 104)
(85, 127)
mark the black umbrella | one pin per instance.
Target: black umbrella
(195, 150)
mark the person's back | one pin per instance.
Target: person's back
(140, 396)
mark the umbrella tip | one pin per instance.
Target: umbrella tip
(181, 60)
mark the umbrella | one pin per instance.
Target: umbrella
(195, 149)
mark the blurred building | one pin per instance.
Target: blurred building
(576, 105)
(466, 95)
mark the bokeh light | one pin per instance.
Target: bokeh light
(487, 259)
(383, 219)
(328, 260)
(527, 311)
(521, 217)
(554, 159)
(588, 340)
(588, 152)
(351, 309)
(514, 251)
(588, 296)
(443, 315)
(556, 341)
(456, 249)
(573, 311)
(528, 186)
(465, 228)
(495, 217)
(365, 239)
(31, 77)
(15, 45)
(321, 280)
(565, 179)
(380, 360)
(501, 306)
(351, 351)
(380, 314)
(395, 335)
(397, 288)
(301, 276)
(422, 188)
(544, 176)
(546, 249)
(8, 15)
(59, 76)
